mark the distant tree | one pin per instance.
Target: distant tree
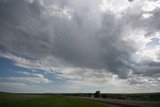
(97, 94)
(104, 96)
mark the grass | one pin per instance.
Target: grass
(21, 100)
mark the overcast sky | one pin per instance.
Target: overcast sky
(80, 46)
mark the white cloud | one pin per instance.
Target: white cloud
(38, 79)
(12, 84)
(42, 64)
(69, 77)
(79, 80)
(144, 83)
(24, 72)
(150, 5)
(146, 15)
(19, 61)
(38, 75)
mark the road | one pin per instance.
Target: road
(124, 103)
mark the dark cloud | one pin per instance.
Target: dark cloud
(90, 39)
(21, 26)
(147, 68)
(130, 0)
(136, 20)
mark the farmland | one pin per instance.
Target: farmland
(25, 100)
(78, 100)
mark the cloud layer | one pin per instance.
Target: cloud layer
(87, 41)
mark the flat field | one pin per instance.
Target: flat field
(24, 100)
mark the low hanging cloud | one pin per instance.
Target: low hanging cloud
(77, 34)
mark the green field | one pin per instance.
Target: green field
(22, 100)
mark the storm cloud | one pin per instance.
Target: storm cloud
(78, 34)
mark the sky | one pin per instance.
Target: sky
(71, 46)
